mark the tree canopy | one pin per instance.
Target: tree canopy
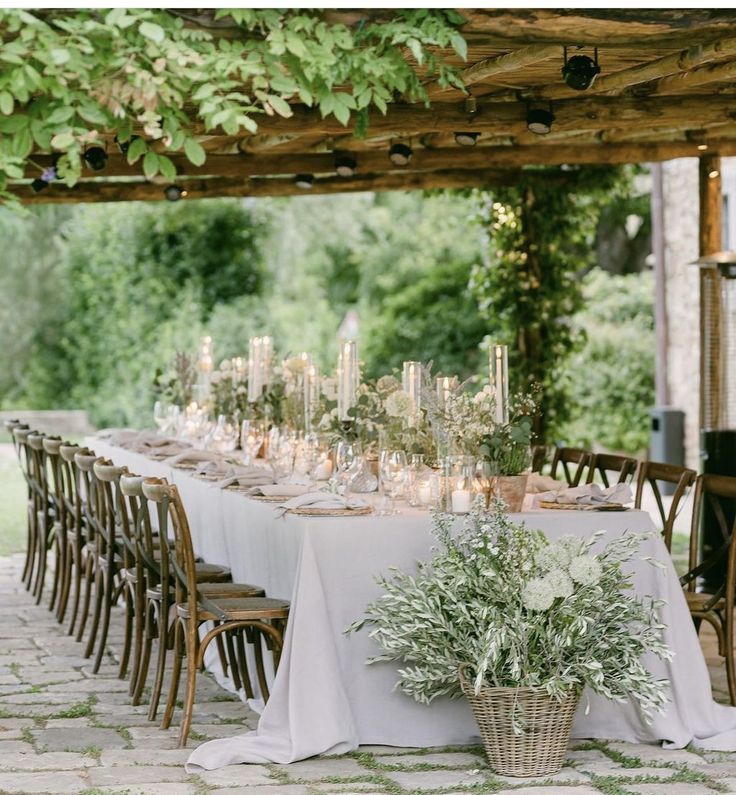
(150, 75)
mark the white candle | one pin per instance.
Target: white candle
(499, 366)
(460, 501)
(424, 492)
(348, 378)
(412, 385)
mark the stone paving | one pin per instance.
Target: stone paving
(65, 730)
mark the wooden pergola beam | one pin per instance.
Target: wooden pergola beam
(507, 118)
(711, 73)
(498, 65)
(261, 187)
(423, 160)
(617, 82)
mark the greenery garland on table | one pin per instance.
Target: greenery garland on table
(69, 75)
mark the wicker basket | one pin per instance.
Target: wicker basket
(541, 749)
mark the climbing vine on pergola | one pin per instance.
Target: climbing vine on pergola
(148, 75)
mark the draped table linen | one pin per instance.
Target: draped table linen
(326, 700)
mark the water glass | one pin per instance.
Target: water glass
(393, 474)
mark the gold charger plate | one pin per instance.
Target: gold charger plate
(608, 506)
(270, 498)
(332, 511)
(185, 465)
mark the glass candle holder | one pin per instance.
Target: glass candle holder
(461, 479)
(499, 376)
(348, 378)
(411, 383)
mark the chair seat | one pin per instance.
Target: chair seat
(253, 608)
(218, 590)
(211, 572)
(696, 602)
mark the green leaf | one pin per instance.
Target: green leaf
(281, 106)
(62, 140)
(459, 45)
(136, 150)
(166, 167)
(6, 103)
(60, 56)
(150, 164)
(92, 114)
(152, 31)
(195, 152)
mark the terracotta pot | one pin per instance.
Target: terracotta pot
(510, 489)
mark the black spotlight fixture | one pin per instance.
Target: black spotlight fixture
(345, 165)
(123, 146)
(539, 121)
(95, 157)
(400, 154)
(304, 181)
(466, 138)
(173, 193)
(580, 71)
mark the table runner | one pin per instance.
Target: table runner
(326, 700)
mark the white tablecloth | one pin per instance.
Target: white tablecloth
(326, 700)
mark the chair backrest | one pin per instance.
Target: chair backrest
(109, 511)
(654, 474)
(171, 513)
(52, 475)
(23, 449)
(11, 426)
(539, 457)
(84, 460)
(715, 557)
(40, 480)
(604, 464)
(573, 461)
(137, 526)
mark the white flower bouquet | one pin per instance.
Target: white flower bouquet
(519, 611)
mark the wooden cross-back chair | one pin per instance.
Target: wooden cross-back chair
(154, 577)
(57, 508)
(604, 464)
(18, 433)
(654, 474)
(539, 457)
(44, 507)
(572, 461)
(718, 494)
(261, 618)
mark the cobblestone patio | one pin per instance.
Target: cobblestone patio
(64, 730)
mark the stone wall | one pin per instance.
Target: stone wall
(683, 304)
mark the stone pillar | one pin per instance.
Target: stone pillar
(681, 222)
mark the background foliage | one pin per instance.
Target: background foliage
(94, 298)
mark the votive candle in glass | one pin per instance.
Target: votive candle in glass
(311, 395)
(499, 373)
(254, 369)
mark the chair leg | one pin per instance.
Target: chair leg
(729, 654)
(260, 670)
(243, 663)
(97, 612)
(58, 565)
(179, 648)
(163, 642)
(107, 600)
(89, 577)
(64, 578)
(76, 575)
(30, 547)
(43, 545)
(188, 709)
(141, 672)
(129, 609)
(234, 672)
(139, 606)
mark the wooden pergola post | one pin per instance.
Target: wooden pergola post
(710, 241)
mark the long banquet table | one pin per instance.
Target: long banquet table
(325, 700)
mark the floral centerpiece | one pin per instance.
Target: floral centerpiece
(228, 391)
(175, 385)
(501, 611)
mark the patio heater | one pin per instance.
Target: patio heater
(717, 388)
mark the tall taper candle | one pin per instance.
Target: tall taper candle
(348, 378)
(499, 367)
(412, 385)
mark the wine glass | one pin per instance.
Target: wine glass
(252, 434)
(161, 415)
(393, 474)
(347, 458)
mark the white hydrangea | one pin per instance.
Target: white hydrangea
(585, 569)
(216, 377)
(537, 595)
(559, 584)
(225, 365)
(399, 404)
(553, 557)
(387, 383)
(329, 388)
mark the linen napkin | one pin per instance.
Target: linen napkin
(589, 494)
(193, 457)
(323, 500)
(537, 483)
(246, 476)
(117, 436)
(281, 490)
